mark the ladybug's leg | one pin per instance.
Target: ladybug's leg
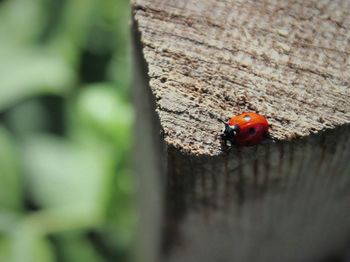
(223, 142)
(268, 139)
(224, 146)
(226, 133)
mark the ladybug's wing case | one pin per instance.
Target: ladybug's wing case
(252, 128)
(248, 118)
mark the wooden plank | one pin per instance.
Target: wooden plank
(209, 60)
(285, 202)
(149, 161)
(200, 61)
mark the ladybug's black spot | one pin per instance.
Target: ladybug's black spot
(252, 131)
(247, 143)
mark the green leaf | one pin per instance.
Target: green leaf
(27, 68)
(74, 246)
(10, 182)
(25, 73)
(22, 243)
(21, 21)
(68, 181)
(27, 118)
(73, 28)
(99, 108)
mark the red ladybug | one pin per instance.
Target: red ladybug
(246, 129)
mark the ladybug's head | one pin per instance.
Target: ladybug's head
(229, 132)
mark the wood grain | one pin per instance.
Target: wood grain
(209, 60)
(288, 201)
(199, 61)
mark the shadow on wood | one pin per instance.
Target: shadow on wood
(288, 201)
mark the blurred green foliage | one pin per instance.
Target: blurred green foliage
(66, 189)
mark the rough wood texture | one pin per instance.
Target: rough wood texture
(198, 61)
(210, 59)
(287, 201)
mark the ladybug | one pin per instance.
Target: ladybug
(246, 129)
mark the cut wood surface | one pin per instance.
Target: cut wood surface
(209, 60)
(199, 61)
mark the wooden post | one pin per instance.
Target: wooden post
(198, 61)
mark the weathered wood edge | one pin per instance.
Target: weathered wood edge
(196, 82)
(194, 201)
(149, 162)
